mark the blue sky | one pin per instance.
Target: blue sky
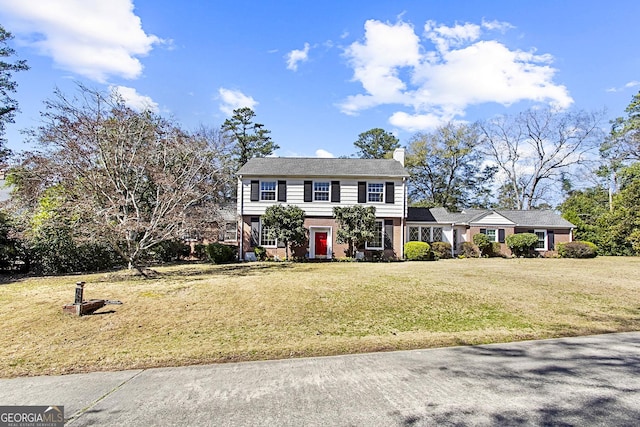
(319, 73)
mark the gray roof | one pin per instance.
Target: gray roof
(314, 167)
(536, 218)
(530, 218)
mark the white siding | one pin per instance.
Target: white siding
(348, 197)
(493, 218)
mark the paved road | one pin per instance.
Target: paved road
(576, 381)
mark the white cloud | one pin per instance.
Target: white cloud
(95, 39)
(135, 100)
(632, 83)
(324, 153)
(433, 86)
(234, 99)
(296, 56)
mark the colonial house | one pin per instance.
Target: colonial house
(317, 185)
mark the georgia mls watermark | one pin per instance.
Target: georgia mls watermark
(31, 416)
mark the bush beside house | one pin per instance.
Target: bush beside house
(417, 251)
(577, 249)
(522, 244)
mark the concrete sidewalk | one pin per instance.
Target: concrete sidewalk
(575, 381)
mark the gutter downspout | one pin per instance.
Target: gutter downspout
(404, 216)
(241, 252)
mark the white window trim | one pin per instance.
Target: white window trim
(275, 191)
(374, 248)
(313, 191)
(235, 235)
(496, 238)
(546, 240)
(275, 245)
(382, 199)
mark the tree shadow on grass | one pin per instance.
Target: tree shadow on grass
(248, 269)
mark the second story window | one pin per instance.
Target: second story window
(267, 190)
(321, 191)
(375, 192)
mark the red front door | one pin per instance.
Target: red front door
(321, 244)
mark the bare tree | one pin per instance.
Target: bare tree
(537, 150)
(133, 179)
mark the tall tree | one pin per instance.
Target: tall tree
(251, 139)
(356, 224)
(623, 142)
(447, 170)
(285, 223)
(131, 179)
(8, 105)
(376, 144)
(536, 149)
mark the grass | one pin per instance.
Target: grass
(192, 314)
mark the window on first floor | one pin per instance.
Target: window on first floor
(230, 233)
(541, 244)
(267, 237)
(491, 233)
(376, 242)
(425, 234)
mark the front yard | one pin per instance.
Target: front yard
(192, 314)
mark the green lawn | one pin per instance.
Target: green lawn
(192, 314)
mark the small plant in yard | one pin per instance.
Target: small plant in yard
(417, 251)
(220, 254)
(441, 250)
(261, 253)
(483, 243)
(577, 249)
(469, 250)
(522, 244)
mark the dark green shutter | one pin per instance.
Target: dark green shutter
(282, 191)
(308, 193)
(389, 193)
(362, 192)
(388, 234)
(255, 191)
(501, 235)
(335, 191)
(551, 244)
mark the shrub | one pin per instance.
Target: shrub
(483, 243)
(220, 254)
(167, 251)
(522, 244)
(469, 250)
(495, 249)
(261, 253)
(441, 250)
(200, 251)
(577, 249)
(416, 251)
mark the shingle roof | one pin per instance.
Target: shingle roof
(536, 218)
(530, 218)
(312, 167)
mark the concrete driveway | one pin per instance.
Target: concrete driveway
(575, 381)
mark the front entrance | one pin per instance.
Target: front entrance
(320, 242)
(321, 245)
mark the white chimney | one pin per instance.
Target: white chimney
(398, 154)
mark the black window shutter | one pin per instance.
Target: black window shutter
(255, 231)
(335, 191)
(483, 231)
(282, 191)
(551, 237)
(501, 235)
(530, 231)
(308, 194)
(255, 191)
(388, 234)
(389, 193)
(362, 192)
